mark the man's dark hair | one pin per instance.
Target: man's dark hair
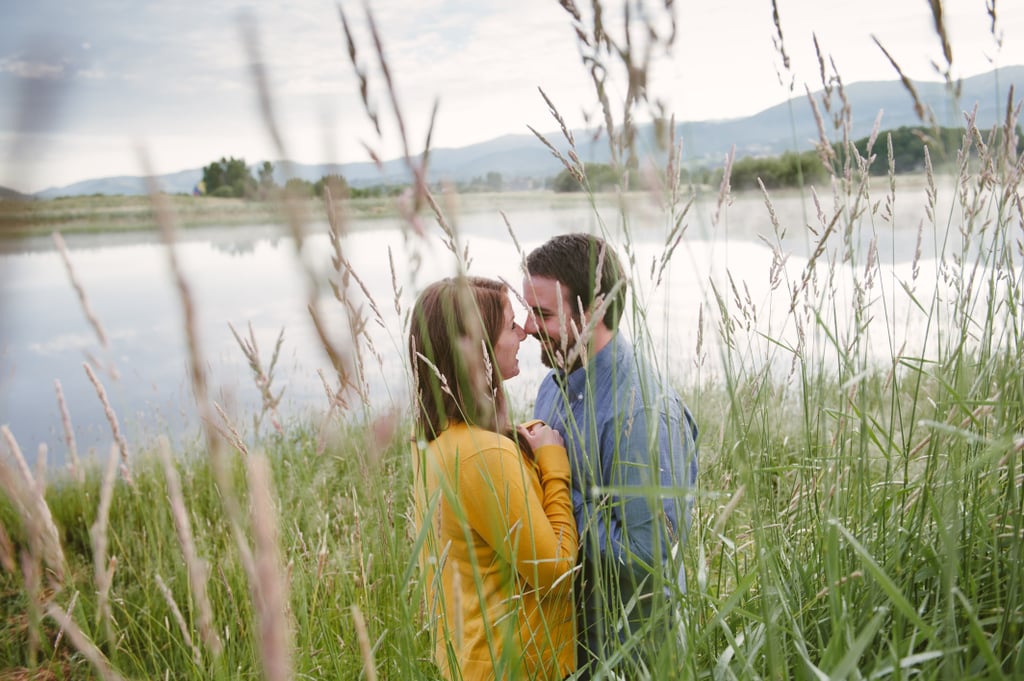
(576, 261)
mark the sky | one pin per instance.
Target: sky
(90, 88)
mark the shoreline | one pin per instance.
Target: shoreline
(23, 222)
(116, 214)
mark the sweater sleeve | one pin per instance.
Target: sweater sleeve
(536, 534)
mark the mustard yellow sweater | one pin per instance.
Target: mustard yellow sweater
(499, 545)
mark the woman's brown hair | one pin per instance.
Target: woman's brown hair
(454, 325)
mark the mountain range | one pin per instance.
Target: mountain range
(788, 126)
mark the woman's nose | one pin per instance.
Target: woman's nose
(521, 332)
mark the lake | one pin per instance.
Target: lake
(252, 276)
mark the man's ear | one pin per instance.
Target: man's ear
(597, 307)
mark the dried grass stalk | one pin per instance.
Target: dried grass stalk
(60, 632)
(82, 643)
(923, 113)
(21, 488)
(777, 40)
(269, 587)
(264, 378)
(369, 665)
(215, 444)
(360, 71)
(6, 551)
(417, 165)
(232, 435)
(102, 575)
(83, 299)
(115, 427)
(30, 571)
(69, 433)
(397, 299)
(725, 189)
(940, 30)
(41, 468)
(176, 612)
(250, 37)
(197, 573)
(197, 371)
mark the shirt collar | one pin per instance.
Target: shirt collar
(601, 364)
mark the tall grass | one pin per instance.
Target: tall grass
(855, 517)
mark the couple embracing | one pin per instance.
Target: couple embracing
(550, 549)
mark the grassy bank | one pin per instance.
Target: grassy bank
(125, 213)
(110, 214)
(96, 214)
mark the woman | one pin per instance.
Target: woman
(493, 504)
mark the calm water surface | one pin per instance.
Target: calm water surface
(251, 276)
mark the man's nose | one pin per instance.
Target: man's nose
(530, 325)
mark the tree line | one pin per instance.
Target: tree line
(231, 178)
(794, 169)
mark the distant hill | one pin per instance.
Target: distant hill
(786, 127)
(791, 124)
(180, 182)
(12, 195)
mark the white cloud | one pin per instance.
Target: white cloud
(59, 345)
(34, 70)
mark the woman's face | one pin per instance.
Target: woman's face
(506, 348)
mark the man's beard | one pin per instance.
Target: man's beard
(546, 357)
(551, 353)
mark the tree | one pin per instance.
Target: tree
(336, 183)
(908, 143)
(231, 173)
(600, 177)
(297, 187)
(266, 179)
(789, 170)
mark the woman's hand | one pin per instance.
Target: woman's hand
(538, 434)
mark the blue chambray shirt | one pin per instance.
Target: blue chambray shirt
(624, 430)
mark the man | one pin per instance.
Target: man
(632, 450)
